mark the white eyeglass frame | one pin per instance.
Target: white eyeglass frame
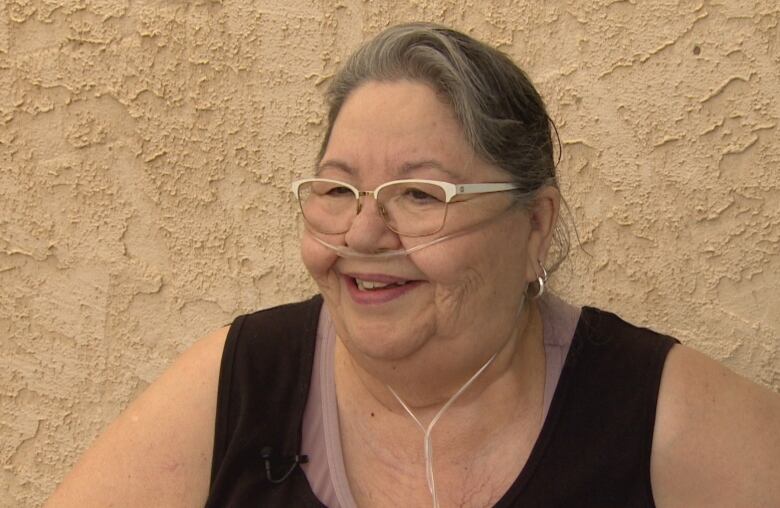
(450, 191)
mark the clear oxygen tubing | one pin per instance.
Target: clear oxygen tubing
(348, 252)
(427, 444)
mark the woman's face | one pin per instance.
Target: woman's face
(441, 297)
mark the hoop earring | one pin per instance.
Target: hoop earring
(541, 280)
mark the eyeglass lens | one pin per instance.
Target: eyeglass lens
(408, 208)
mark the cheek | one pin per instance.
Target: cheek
(485, 268)
(317, 258)
(458, 274)
(455, 297)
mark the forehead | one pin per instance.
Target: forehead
(398, 129)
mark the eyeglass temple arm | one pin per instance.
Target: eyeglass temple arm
(482, 188)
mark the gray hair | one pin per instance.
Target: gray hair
(501, 113)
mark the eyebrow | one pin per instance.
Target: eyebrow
(405, 169)
(409, 167)
(335, 164)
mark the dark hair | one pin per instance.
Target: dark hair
(501, 113)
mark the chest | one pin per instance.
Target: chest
(389, 469)
(593, 451)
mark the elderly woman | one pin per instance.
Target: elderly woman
(433, 370)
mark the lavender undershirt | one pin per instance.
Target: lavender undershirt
(321, 438)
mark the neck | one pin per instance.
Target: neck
(428, 379)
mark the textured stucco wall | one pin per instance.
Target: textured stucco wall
(146, 149)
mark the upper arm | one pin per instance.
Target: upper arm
(158, 451)
(717, 437)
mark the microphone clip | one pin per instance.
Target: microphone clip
(266, 453)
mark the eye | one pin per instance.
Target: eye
(412, 194)
(330, 189)
(338, 191)
(420, 196)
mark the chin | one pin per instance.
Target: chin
(381, 339)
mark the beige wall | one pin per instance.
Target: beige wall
(146, 150)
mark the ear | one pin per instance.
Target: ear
(543, 216)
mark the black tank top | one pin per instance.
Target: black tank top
(593, 449)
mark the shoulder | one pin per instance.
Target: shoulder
(716, 439)
(623, 349)
(158, 451)
(271, 344)
(288, 319)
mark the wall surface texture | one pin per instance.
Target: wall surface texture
(146, 149)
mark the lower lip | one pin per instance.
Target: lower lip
(377, 296)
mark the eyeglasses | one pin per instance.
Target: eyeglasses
(408, 207)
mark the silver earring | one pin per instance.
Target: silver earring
(541, 280)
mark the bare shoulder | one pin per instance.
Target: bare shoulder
(158, 451)
(717, 437)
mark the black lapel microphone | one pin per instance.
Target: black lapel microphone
(267, 455)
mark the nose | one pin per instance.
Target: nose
(368, 231)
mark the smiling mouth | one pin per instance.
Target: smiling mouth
(370, 285)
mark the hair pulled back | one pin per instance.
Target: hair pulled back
(501, 113)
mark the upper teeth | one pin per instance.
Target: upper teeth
(371, 284)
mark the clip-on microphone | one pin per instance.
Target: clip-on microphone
(266, 455)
